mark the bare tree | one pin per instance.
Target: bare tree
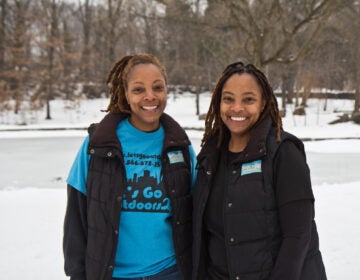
(331, 62)
(113, 28)
(352, 15)
(86, 16)
(50, 44)
(20, 56)
(259, 22)
(177, 41)
(197, 41)
(4, 92)
(147, 16)
(70, 58)
(301, 44)
(3, 39)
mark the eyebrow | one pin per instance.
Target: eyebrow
(142, 83)
(245, 93)
(137, 82)
(227, 92)
(158, 81)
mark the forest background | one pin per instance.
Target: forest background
(63, 49)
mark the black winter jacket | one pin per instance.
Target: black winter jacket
(92, 221)
(252, 230)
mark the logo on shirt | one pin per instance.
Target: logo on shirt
(251, 167)
(145, 190)
(175, 156)
(145, 194)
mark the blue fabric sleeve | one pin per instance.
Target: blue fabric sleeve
(193, 162)
(79, 170)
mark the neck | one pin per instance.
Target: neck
(237, 144)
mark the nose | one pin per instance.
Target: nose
(237, 107)
(149, 94)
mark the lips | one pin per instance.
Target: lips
(149, 108)
(238, 119)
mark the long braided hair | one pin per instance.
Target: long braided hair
(118, 79)
(213, 122)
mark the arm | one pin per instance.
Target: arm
(296, 222)
(75, 234)
(295, 202)
(75, 224)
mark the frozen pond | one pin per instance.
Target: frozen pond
(36, 162)
(45, 162)
(35, 169)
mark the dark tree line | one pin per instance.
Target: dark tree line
(64, 49)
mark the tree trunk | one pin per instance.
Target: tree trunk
(3, 15)
(48, 115)
(197, 100)
(283, 98)
(357, 78)
(357, 98)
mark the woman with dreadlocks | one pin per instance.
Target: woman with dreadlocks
(253, 202)
(129, 211)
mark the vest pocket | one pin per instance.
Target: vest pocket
(246, 193)
(246, 226)
(247, 239)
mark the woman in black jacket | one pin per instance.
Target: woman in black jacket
(253, 201)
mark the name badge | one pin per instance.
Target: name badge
(251, 167)
(175, 157)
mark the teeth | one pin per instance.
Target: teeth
(237, 118)
(149, 107)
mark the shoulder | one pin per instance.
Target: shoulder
(289, 150)
(92, 128)
(290, 153)
(170, 123)
(174, 133)
(287, 142)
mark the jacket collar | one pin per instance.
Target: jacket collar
(257, 144)
(104, 134)
(255, 149)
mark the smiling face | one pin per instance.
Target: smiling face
(146, 95)
(240, 107)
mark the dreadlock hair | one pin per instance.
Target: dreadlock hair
(213, 121)
(118, 79)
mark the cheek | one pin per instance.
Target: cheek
(257, 113)
(131, 99)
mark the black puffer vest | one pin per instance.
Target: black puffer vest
(251, 224)
(106, 182)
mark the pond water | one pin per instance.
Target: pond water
(45, 162)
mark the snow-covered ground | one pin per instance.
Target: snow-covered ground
(33, 196)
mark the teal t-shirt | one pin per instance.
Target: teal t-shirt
(145, 245)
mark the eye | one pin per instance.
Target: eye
(249, 100)
(158, 88)
(227, 99)
(137, 90)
